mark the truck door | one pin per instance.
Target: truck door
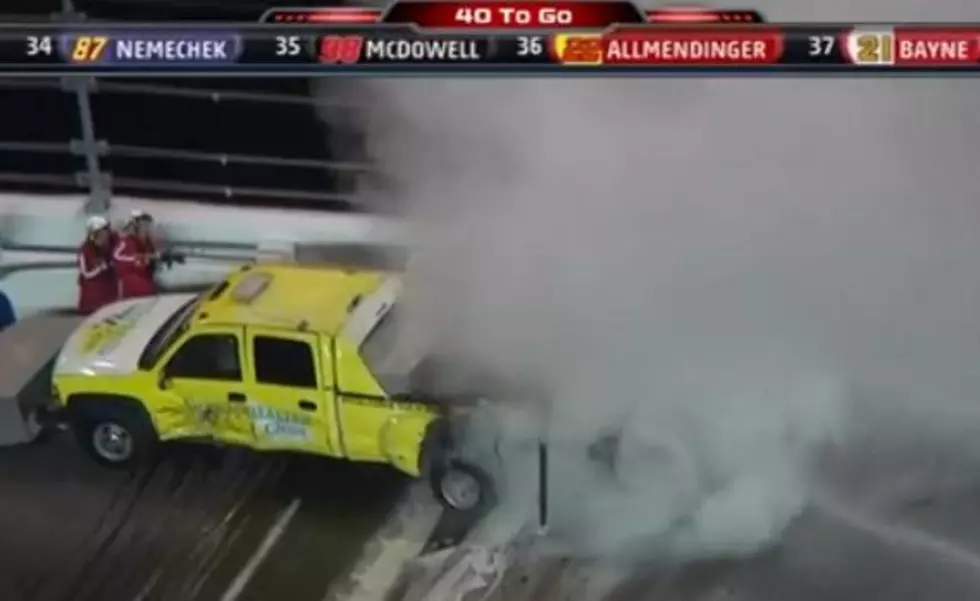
(364, 407)
(290, 396)
(203, 377)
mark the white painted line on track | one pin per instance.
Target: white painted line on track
(150, 583)
(396, 543)
(271, 538)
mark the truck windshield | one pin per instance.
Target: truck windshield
(169, 332)
(389, 356)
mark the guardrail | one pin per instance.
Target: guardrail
(91, 150)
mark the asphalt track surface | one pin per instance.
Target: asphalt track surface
(190, 528)
(895, 522)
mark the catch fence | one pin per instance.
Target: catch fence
(90, 150)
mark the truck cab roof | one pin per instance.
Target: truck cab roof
(314, 298)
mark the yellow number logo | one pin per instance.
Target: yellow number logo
(874, 48)
(578, 49)
(88, 48)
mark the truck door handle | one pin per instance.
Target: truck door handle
(236, 397)
(307, 405)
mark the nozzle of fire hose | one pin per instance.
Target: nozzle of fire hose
(168, 258)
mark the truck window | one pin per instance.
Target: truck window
(207, 357)
(284, 362)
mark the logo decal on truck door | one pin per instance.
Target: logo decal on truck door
(207, 414)
(270, 423)
(276, 424)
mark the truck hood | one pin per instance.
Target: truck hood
(111, 340)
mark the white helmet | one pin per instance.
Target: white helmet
(96, 223)
(139, 215)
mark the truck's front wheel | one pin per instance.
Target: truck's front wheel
(116, 438)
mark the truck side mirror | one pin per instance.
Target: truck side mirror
(164, 381)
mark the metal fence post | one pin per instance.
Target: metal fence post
(97, 182)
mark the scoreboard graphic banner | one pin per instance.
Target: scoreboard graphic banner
(496, 37)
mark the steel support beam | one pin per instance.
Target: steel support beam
(98, 183)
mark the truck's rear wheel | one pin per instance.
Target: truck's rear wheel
(115, 437)
(463, 488)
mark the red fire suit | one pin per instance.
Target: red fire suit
(132, 258)
(97, 284)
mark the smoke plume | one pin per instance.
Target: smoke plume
(723, 271)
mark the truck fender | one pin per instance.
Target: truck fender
(94, 404)
(402, 441)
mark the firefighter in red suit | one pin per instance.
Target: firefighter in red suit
(135, 258)
(97, 285)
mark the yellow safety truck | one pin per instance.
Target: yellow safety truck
(279, 357)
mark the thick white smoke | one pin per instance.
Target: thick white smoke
(721, 266)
